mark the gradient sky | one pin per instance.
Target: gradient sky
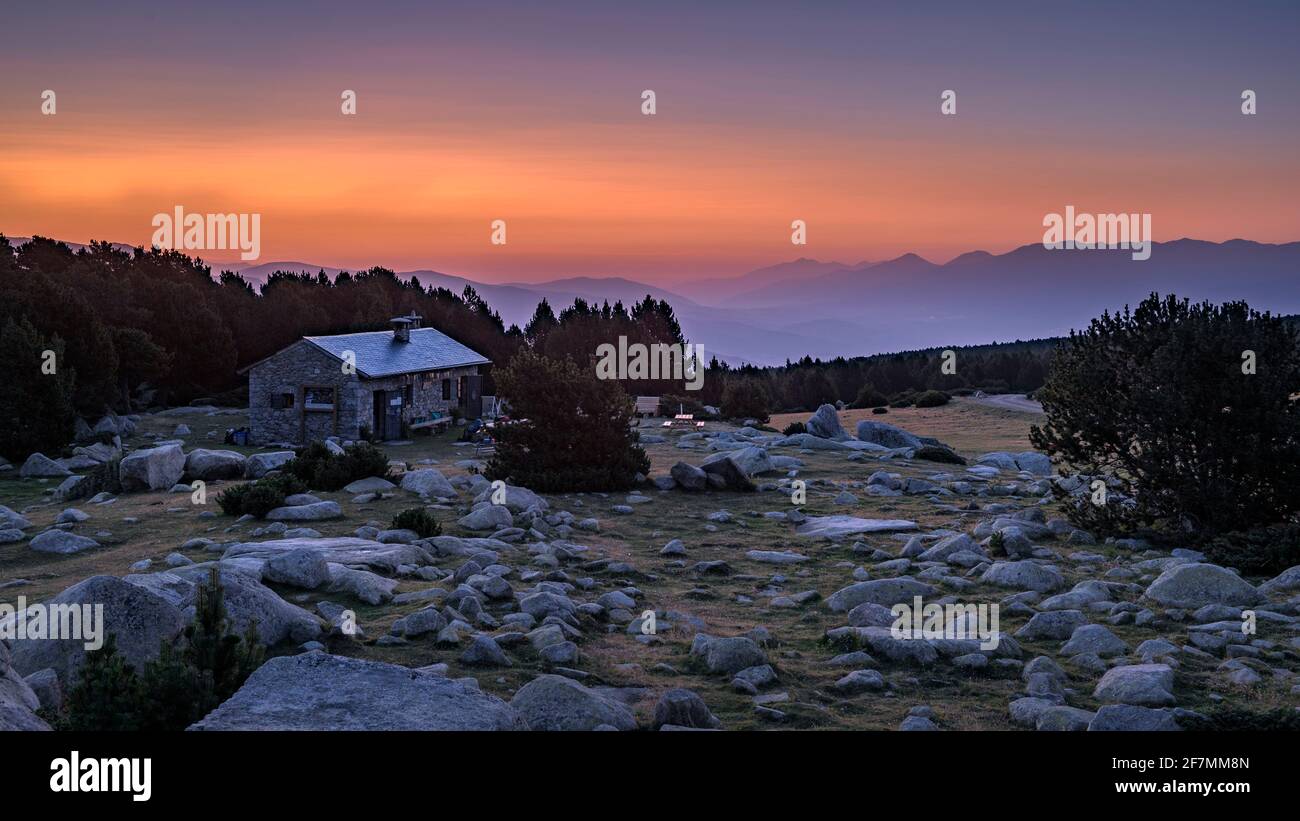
(530, 112)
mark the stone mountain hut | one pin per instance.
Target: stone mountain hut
(382, 382)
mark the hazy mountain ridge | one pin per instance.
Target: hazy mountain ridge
(828, 309)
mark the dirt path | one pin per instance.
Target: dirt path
(1011, 401)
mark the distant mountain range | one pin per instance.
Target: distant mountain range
(829, 309)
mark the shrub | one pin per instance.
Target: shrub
(103, 478)
(932, 399)
(286, 483)
(869, 397)
(795, 427)
(106, 695)
(1160, 400)
(902, 400)
(322, 470)
(231, 500)
(419, 520)
(260, 497)
(746, 399)
(330, 474)
(176, 689)
(1263, 551)
(574, 431)
(997, 544)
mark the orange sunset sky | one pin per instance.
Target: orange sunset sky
(465, 115)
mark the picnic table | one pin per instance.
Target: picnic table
(683, 420)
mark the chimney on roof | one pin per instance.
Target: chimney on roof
(401, 328)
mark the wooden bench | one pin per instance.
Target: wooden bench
(433, 423)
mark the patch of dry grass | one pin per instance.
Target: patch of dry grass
(724, 605)
(969, 427)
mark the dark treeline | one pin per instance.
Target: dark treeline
(142, 328)
(580, 329)
(1018, 367)
(159, 318)
(1006, 367)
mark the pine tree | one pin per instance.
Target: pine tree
(1188, 407)
(224, 657)
(574, 430)
(177, 688)
(36, 412)
(542, 323)
(107, 694)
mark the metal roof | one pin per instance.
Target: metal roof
(378, 354)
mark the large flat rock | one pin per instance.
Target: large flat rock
(205, 464)
(18, 703)
(155, 468)
(810, 442)
(886, 435)
(776, 557)
(825, 424)
(1144, 685)
(555, 703)
(61, 541)
(751, 460)
(428, 482)
(1024, 575)
(1195, 585)
(884, 592)
(259, 464)
(347, 550)
(249, 603)
(373, 484)
(40, 466)
(835, 527)
(317, 691)
(140, 621)
(313, 512)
